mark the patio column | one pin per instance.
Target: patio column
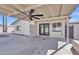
(3, 24)
(6, 23)
(29, 28)
(67, 29)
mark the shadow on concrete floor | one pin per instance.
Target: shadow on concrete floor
(59, 49)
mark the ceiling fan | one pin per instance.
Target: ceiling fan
(31, 15)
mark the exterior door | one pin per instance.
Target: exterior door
(44, 29)
(66, 31)
(71, 32)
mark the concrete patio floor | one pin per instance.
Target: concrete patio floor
(22, 45)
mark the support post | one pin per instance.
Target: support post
(67, 29)
(6, 24)
(29, 29)
(3, 24)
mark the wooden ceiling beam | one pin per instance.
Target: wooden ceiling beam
(53, 18)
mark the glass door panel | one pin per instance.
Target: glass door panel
(44, 29)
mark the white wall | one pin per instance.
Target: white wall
(10, 29)
(1, 29)
(24, 29)
(51, 34)
(76, 31)
(33, 30)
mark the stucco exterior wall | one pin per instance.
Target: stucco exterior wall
(10, 29)
(51, 33)
(33, 30)
(76, 31)
(24, 27)
(1, 29)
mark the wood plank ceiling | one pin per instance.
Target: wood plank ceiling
(9, 9)
(47, 10)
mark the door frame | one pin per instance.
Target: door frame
(44, 29)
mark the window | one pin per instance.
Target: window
(57, 27)
(58, 24)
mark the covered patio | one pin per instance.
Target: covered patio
(19, 44)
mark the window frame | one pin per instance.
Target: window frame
(18, 28)
(54, 27)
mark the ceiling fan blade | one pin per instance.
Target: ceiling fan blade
(38, 15)
(35, 17)
(21, 12)
(30, 18)
(31, 11)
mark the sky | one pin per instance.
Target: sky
(9, 19)
(74, 17)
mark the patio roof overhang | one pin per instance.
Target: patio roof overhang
(48, 10)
